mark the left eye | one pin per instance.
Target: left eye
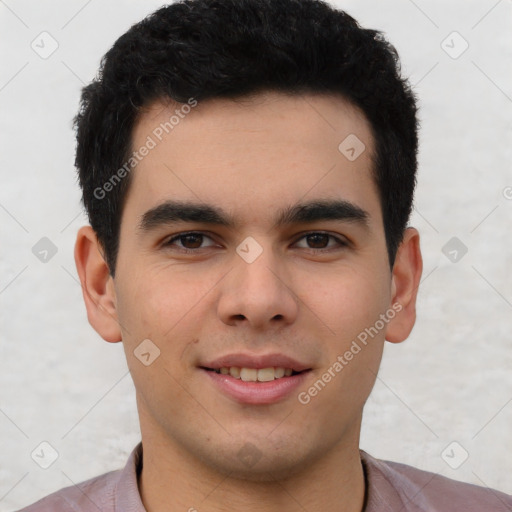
(321, 240)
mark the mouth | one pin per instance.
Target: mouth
(255, 374)
(256, 386)
(250, 378)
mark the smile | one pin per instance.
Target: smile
(255, 374)
(248, 388)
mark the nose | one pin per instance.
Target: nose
(258, 293)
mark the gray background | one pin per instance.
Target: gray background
(450, 382)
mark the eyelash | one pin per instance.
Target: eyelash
(341, 243)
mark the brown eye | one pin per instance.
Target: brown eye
(191, 241)
(318, 241)
(188, 241)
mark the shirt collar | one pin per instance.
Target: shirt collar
(127, 496)
(381, 494)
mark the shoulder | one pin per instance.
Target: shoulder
(418, 490)
(114, 491)
(91, 495)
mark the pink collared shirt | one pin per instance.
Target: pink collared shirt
(390, 486)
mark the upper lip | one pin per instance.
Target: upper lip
(258, 361)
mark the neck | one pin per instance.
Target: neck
(173, 480)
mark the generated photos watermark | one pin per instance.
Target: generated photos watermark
(152, 141)
(343, 360)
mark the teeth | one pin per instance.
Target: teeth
(266, 374)
(279, 372)
(255, 375)
(249, 374)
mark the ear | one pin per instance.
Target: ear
(404, 287)
(97, 285)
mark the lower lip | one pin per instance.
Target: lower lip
(257, 392)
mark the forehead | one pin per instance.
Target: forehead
(255, 154)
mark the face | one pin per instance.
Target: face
(246, 274)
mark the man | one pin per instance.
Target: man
(248, 168)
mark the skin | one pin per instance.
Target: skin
(251, 158)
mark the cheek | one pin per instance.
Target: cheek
(349, 301)
(160, 305)
(356, 303)
(160, 309)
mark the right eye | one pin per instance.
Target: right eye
(190, 241)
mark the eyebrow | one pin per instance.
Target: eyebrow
(301, 213)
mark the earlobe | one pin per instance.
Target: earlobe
(405, 281)
(97, 285)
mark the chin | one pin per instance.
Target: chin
(252, 464)
(263, 472)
